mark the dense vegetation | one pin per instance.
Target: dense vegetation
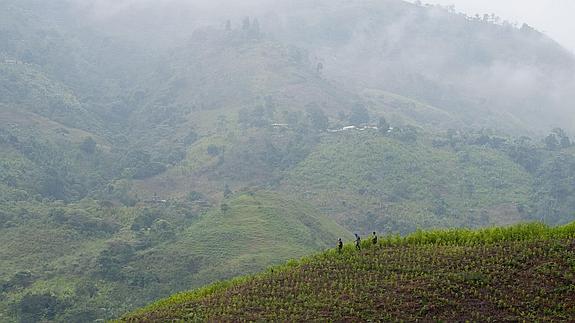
(95, 260)
(518, 273)
(139, 158)
(454, 179)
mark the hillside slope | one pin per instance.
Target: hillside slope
(156, 148)
(518, 273)
(478, 71)
(250, 231)
(24, 88)
(109, 260)
(482, 70)
(217, 75)
(373, 182)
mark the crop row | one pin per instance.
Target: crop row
(522, 273)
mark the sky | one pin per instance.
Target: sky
(553, 17)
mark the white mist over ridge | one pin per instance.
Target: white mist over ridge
(464, 65)
(552, 17)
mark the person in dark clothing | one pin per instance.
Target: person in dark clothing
(357, 242)
(339, 245)
(374, 238)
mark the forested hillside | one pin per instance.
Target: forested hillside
(482, 70)
(152, 147)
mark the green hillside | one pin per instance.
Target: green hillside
(251, 79)
(370, 181)
(479, 69)
(408, 111)
(107, 260)
(24, 88)
(150, 147)
(250, 231)
(517, 273)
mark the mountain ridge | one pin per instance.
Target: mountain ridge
(150, 147)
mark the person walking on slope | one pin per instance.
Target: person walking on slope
(374, 238)
(339, 245)
(357, 242)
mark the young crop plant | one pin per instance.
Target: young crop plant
(519, 273)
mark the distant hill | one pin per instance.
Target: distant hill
(516, 273)
(43, 127)
(218, 74)
(398, 182)
(108, 260)
(24, 88)
(374, 182)
(481, 70)
(147, 147)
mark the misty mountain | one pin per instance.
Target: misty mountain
(482, 71)
(148, 147)
(487, 72)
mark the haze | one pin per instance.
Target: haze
(150, 147)
(553, 17)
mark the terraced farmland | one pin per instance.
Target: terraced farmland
(520, 273)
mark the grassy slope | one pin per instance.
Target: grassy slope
(33, 148)
(367, 181)
(352, 174)
(400, 110)
(259, 229)
(185, 177)
(56, 255)
(523, 272)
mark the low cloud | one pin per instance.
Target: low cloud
(553, 17)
